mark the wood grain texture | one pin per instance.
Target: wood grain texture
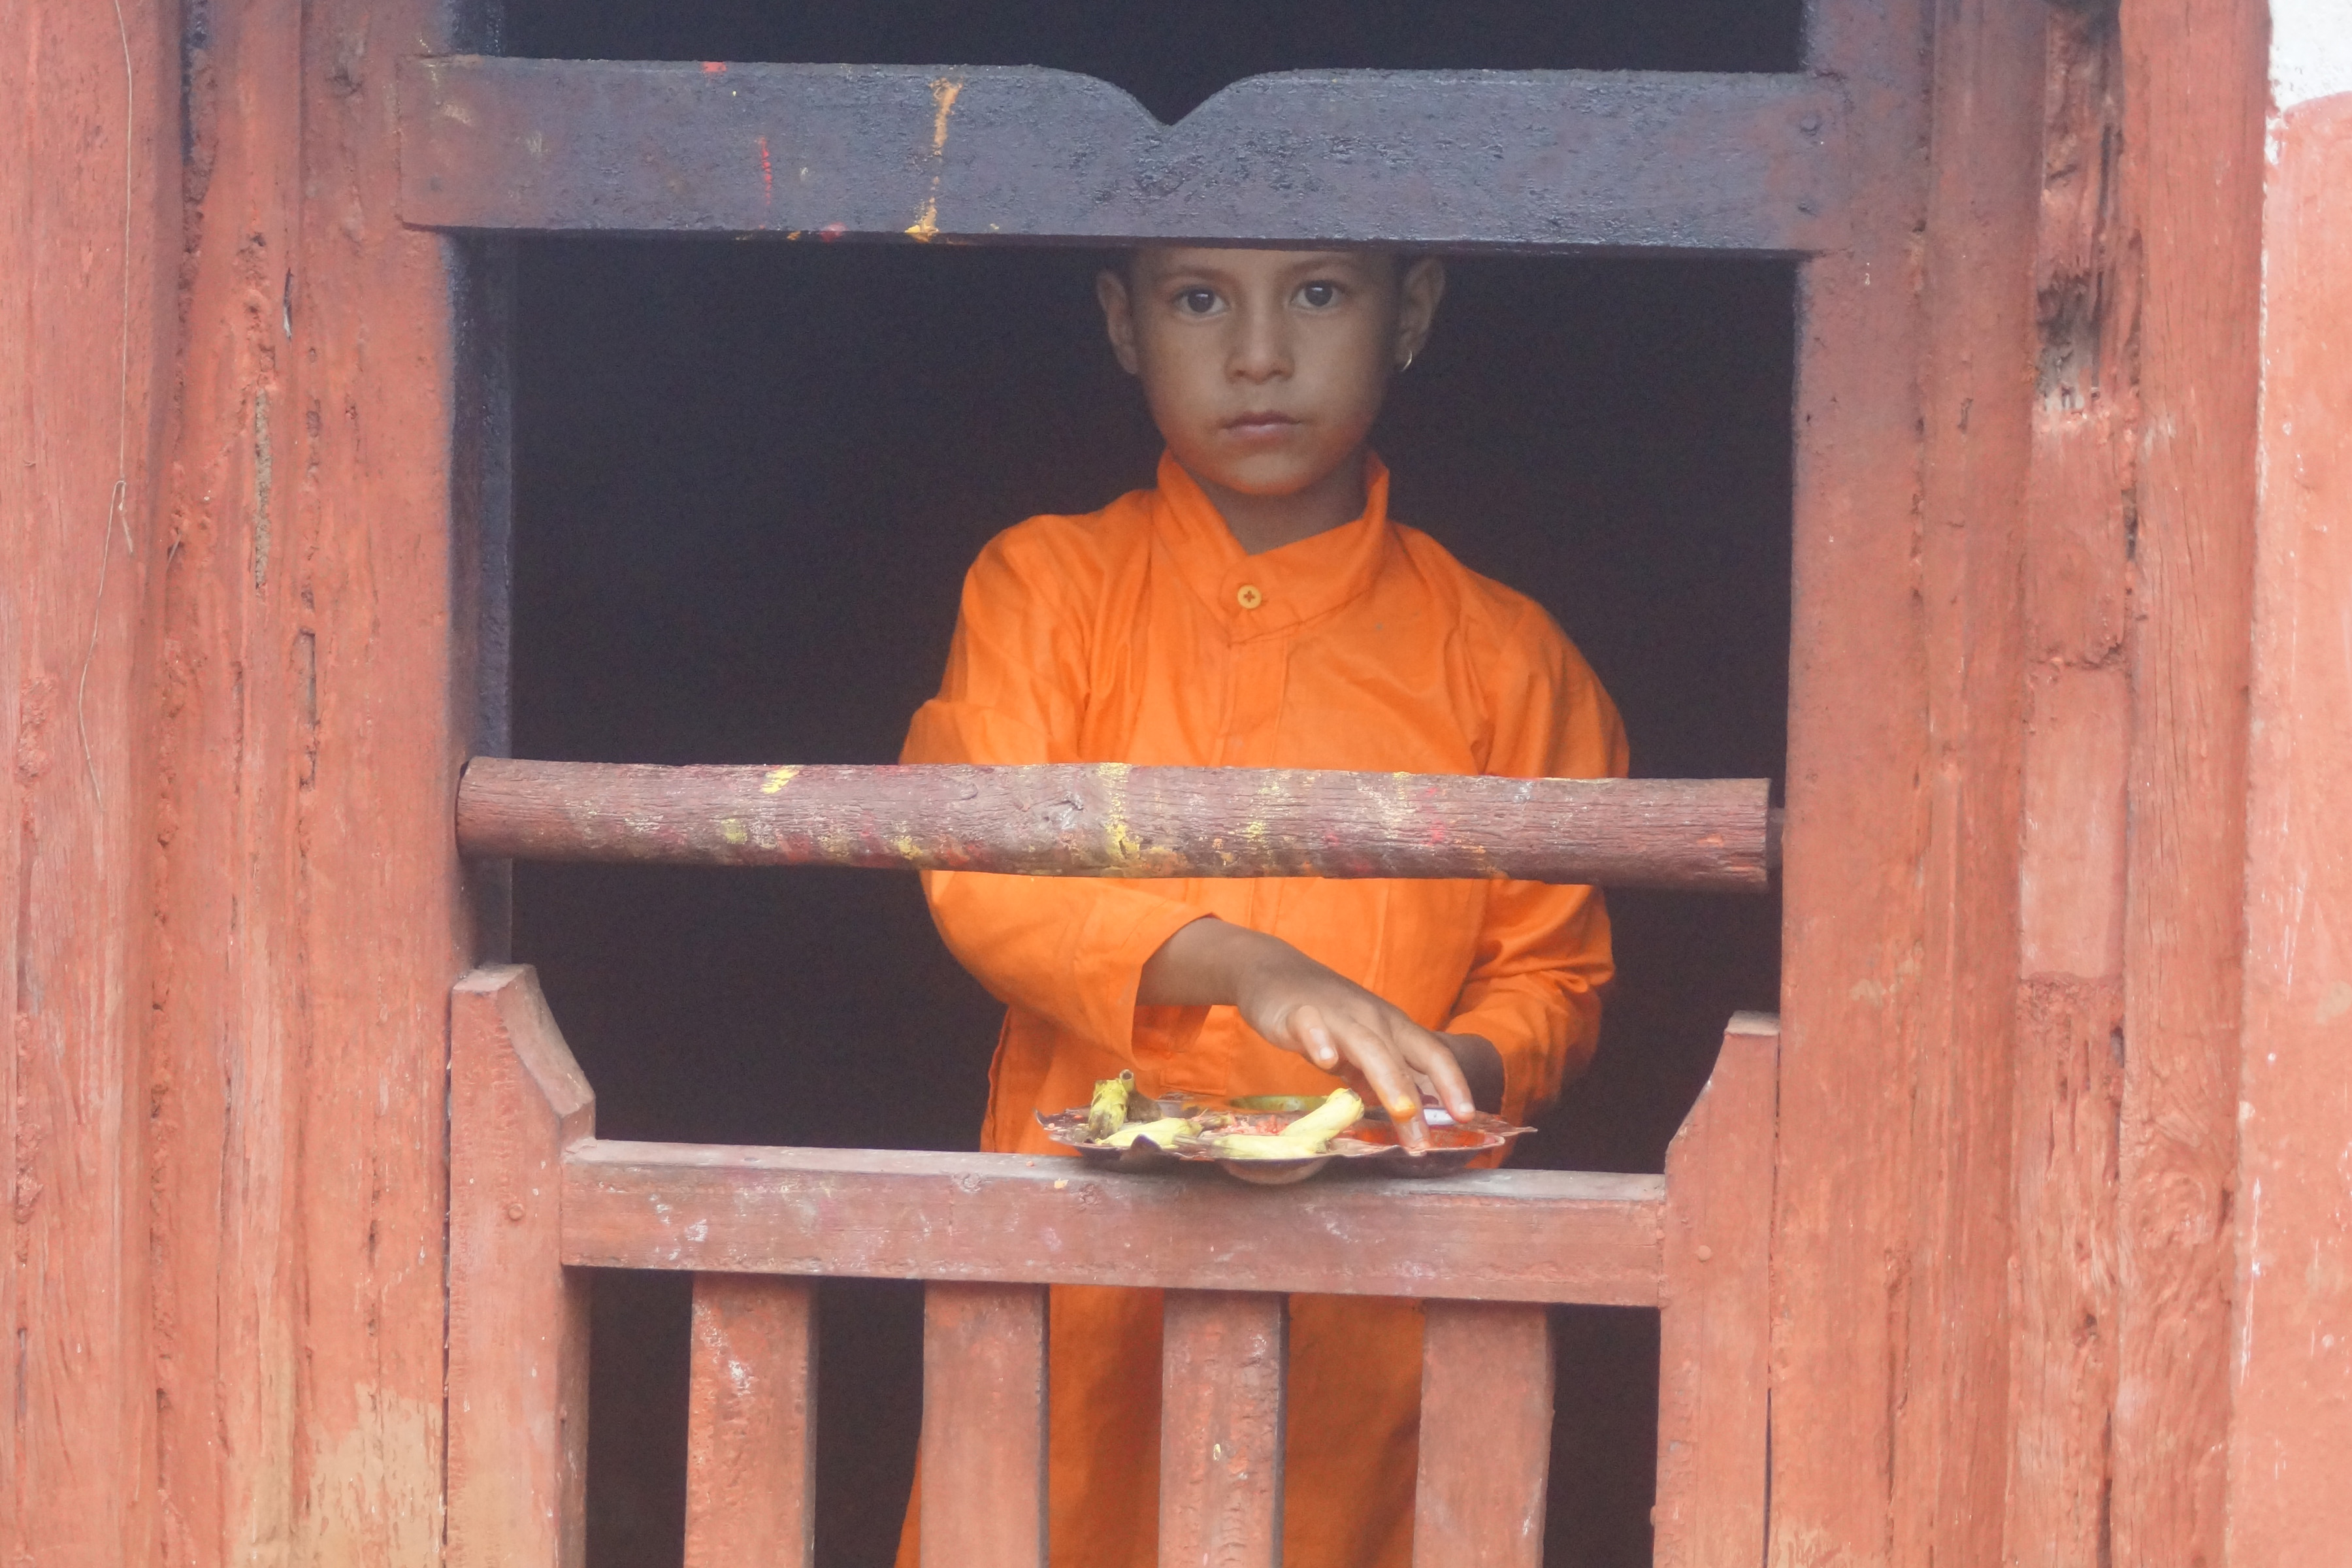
(2195, 90)
(1955, 1095)
(1619, 160)
(1113, 820)
(983, 1444)
(1486, 1433)
(2062, 1374)
(1512, 1236)
(306, 736)
(1715, 1323)
(751, 1434)
(2292, 1363)
(89, 235)
(1223, 1361)
(2073, 832)
(518, 1433)
(1859, 802)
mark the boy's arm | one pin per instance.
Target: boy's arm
(1534, 988)
(1299, 1004)
(1069, 948)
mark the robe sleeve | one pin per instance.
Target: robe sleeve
(1542, 954)
(1071, 949)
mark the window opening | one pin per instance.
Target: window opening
(749, 479)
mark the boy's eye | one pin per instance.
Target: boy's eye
(1318, 296)
(1197, 301)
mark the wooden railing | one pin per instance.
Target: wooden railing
(536, 1198)
(1108, 819)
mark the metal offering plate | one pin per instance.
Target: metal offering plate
(1370, 1145)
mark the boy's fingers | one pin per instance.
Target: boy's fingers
(1384, 1070)
(1436, 1059)
(1306, 1029)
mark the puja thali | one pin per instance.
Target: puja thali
(1246, 1137)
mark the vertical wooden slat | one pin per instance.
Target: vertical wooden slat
(2195, 90)
(1221, 1426)
(2074, 771)
(1715, 1328)
(92, 1364)
(304, 743)
(2291, 1377)
(1486, 1435)
(518, 1320)
(751, 1445)
(984, 1445)
(1861, 782)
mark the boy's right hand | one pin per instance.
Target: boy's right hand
(1301, 1006)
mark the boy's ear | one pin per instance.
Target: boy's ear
(1119, 318)
(1418, 292)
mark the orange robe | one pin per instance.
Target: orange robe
(1143, 633)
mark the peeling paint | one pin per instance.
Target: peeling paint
(262, 471)
(944, 93)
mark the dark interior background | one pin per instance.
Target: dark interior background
(749, 478)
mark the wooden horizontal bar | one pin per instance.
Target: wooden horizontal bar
(1501, 1235)
(1610, 162)
(1112, 820)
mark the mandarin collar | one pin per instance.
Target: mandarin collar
(1259, 596)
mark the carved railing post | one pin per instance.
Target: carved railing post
(1714, 1309)
(518, 1320)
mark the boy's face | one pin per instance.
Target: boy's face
(1264, 369)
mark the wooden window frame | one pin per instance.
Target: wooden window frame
(398, 338)
(1824, 166)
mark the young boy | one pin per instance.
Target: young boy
(1259, 610)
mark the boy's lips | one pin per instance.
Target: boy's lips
(1260, 424)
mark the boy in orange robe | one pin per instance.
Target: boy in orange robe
(1259, 610)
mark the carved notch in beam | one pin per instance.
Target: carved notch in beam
(1620, 162)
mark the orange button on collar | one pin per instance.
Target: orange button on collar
(1248, 597)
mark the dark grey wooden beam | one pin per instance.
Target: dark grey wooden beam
(1622, 163)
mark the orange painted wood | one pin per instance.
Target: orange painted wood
(983, 1444)
(304, 729)
(1946, 1281)
(90, 236)
(1486, 1435)
(1858, 802)
(1522, 1235)
(1113, 820)
(1850, 986)
(2195, 91)
(2291, 1375)
(1889, 1293)
(517, 1318)
(1223, 1358)
(2073, 830)
(750, 1442)
(1714, 1317)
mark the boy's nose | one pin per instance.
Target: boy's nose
(1262, 349)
